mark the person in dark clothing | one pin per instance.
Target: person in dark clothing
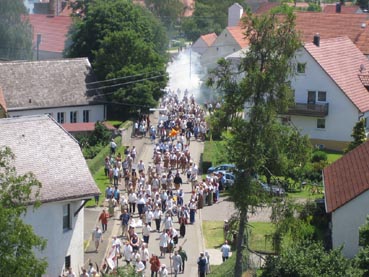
(201, 262)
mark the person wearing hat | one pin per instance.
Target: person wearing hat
(163, 272)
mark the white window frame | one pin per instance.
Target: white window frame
(86, 115)
(61, 117)
(73, 116)
(67, 225)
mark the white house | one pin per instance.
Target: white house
(203, 43)
(235, 13)
(59, 88)
(331, 91)
(346, 185)
(43, 147)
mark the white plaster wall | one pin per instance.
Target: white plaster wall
(199, 46)
(47, 222)
(346, 222)
(96, 112)
(342, 114)
(234, 14)
(224, 45)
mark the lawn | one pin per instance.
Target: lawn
(259, 237)
(333, 156)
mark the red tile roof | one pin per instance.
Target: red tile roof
(84, 126)
(2, 100)
(53, 29)
(331, 8)
(342, 61)
(209, 38)
(347, 178)
(237, 32)
(266, 7)
(355, 26)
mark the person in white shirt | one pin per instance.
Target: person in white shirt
(127, 252)
(145, 255)
(225, 249)
(157, 216)
(177, 262)
(117, 243)
(163, 243)
(141, 166)
(163, 272)
(97, 237)
(146, 229)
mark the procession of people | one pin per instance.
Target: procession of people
(149, 199)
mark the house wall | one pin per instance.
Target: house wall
(234, 14)
(97, 112)
(224, 45)
(342, 114)
(47, 55)
(47, 222)
(199, 46)
(346, 222)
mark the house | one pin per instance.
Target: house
(203, 43)
(42, 147)
(346, 186)
(331, 91)
(56, 87)
(85, 128)
(52, 32)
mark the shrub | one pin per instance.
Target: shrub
(319, 156)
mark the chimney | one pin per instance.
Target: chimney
(234, 14)
(52, 7)
(338, 7)
(316, 40)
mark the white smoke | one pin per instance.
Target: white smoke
(186, 73)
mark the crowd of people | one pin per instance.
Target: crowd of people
(151, 198)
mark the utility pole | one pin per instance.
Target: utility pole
(38, 41)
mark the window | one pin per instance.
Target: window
(67, 262)
(86, 116)
(311, 97)
(320, 123)
(61, 118)
(322, 96)
(66, 217)
(73, 117)
(301, 67)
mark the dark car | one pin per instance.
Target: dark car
(222, 167)
(275, 190)
(229, 179)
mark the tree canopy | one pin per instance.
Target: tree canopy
(262, 83)
(169, 11)
(17, 239)
(126, 43)
(15, 31)
(209, 16)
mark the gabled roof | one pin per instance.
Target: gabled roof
(2, 100)
(342, 61)
(237, 32)
(345, 9)
(46, 84)
(42, 147)
(53, 30)
(209, 38)
(84, 126)
(346, 178)
(354, 26)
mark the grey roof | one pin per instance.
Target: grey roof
(46, 84)
(43, 147)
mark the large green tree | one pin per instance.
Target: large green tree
(209, 16)
(15, 31)
(264, 70)
(126, 43)
(169, 11)
(17, 239)
(358, 134)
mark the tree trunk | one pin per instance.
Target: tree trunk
(238, 269)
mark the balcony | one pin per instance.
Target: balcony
(305, 109)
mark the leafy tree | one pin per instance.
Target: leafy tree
(362, 258)
(124, 42)
(266, 69)
(364, 4)
(309, 259)
(17, 239)
(358, 133)
(169, 11)
(209, 16)
(15, 31)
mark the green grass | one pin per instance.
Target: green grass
(333, 156)
(224, 269)
(307, 192)
(213, 233)
(260, 237)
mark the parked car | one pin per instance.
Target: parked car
(275, 190)
(229, 178)
(222, 167)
